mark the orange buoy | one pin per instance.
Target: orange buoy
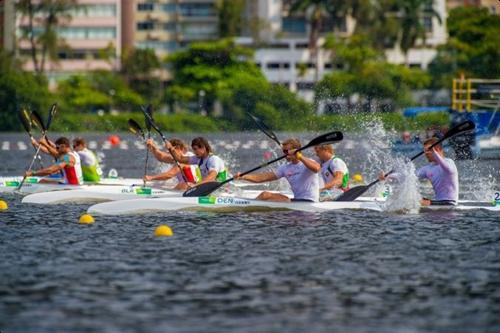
(114, 139)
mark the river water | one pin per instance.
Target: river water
(344, 271)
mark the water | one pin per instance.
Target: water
(356, 271)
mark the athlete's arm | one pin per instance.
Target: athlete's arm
(53, 168)
(441, 161)
(172, 172)
(258, 177)
(309, 163)
(50, 147)
(335, 182)
(179, 157)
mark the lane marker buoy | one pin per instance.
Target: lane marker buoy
(3, 205)
(163, 231)
(86, 219)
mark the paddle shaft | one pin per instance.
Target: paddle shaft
(31, 165)
(164, 141)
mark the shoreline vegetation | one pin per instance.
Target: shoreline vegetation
(189, 123)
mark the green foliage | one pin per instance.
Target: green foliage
(98, 90)
(230, 14)
(368, 74)
(19, 89)
(71, 122)
(472, 47)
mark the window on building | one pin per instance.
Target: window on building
(145, 26)
(428, 24)
(169, 46)
(301, 45)
(197, 9)
(305, 85)
(294, 25)
(169, 7)
(199, 30)
(104, 10)
(145, 7)
(278, 65)
(328, 65)
(170, 26)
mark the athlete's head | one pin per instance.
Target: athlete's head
(290, 144)
(428, 152)
(179, 145)
(324, 152)
(63, 145)
(201, 147)
(79, 144)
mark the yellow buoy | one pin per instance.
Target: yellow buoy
(163, 230)
(86, 219)
(357, 177)
(3, 205)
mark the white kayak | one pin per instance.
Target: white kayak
(33, 184)
(98, 193)
(229, 204)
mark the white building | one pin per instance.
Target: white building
(285, 57)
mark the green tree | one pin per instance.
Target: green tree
(472, 48)
(230, 13)
(19, 89)
(411, 14)
(44, 18)
(101, 90)
(140, 68)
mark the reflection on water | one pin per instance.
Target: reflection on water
(355, 271)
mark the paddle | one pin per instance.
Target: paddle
(38, 121)
(152, 123)
(25, 118)
(136, 129)
(149, 111)
(355, 192)
(265, 129)
(207, 188)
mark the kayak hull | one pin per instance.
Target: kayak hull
(230, 204)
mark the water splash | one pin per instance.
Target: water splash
(405, 196)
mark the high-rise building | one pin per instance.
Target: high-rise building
(90, 38)
(169, 25)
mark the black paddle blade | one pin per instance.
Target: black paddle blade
(326, 139)
(135, 128)
(202, 189)
(353, 193)
(24, 117)
(462, 127)
(52, 113)
(264, 128)
(37, 121)
(149, 111)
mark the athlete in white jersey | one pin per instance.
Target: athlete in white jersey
(211, 166)
(442, 173)
(334, 173)
(300, 172)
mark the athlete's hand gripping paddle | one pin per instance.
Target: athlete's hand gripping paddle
(355, 192)
(207, 188)
(38, 120)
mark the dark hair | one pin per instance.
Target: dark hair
(62, 141)
(78, 142)
(201, 142)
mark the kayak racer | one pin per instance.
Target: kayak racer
(334, 173)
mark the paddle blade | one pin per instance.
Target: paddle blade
(460, 128)
(37, 121)
(24, 117)
(353, 193)
(202, 189)
(135, 128)
(326, 139)
(52, 113)
(149, 111)
(266, 130)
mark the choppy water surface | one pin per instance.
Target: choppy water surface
(350, 271)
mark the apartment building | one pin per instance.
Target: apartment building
(90, 39)
(169, 25)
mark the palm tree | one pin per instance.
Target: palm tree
(317, 11)
(411, 14)
(47, 16)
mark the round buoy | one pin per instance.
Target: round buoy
(357, 178)
(86, 219)
(163, 230)
(3, 205)
(114, 139)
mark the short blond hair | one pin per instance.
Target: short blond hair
(292, 142)
(328, 148)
